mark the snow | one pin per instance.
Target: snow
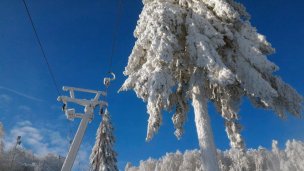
(175, 38)
(261, 159)
(103, 156)
(26, 160)
(203, 127)
(210, 46)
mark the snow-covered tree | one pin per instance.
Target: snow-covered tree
(50, 162)
(103, 156)
(261, 159)
(25, 159)
(203, 50)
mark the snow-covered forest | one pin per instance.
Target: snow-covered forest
(16, 158)
(25, 160)
(261, 159)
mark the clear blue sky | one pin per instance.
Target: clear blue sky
(77, 37)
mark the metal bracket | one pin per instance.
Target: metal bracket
(107, 80)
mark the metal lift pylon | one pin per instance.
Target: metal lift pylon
(86, 117)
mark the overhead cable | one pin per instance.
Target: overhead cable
(42, 49)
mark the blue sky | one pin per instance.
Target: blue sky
(77, 37)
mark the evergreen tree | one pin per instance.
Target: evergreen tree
(200, 51)
(261, 159)
(103, 157)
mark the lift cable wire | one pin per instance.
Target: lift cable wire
(115, 32)
(42, 49)
(48, 65)
(114, 39)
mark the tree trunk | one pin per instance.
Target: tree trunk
(204, 132)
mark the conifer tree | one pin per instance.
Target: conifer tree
(200, 51)
(103, 157)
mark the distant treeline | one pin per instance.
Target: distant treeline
(261, 159)
(19, 159)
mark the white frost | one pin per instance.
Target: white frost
(177, 39)
(103, 156)
(261, 159)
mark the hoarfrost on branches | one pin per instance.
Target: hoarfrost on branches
(261, 159)
(25, 159)
(103, 157)
(175, 38)
(203, 51)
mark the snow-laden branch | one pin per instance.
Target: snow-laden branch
(103, 156)
(175, 38)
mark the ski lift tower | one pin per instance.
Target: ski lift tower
(86, 117)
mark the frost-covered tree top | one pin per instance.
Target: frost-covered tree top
(177, 39)
(103, 156)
